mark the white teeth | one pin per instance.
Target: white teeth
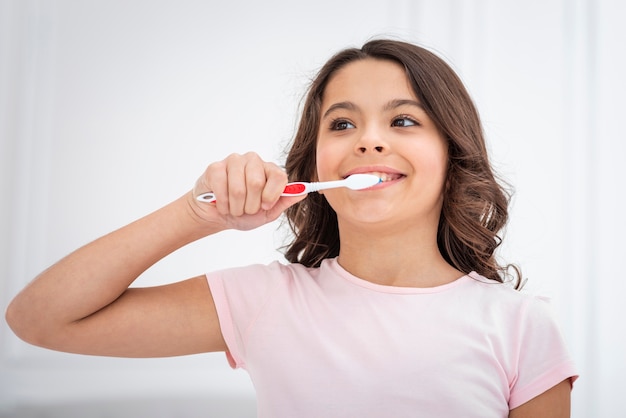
(385, 176)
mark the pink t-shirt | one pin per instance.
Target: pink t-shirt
(320, 342)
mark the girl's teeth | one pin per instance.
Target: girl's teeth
(385, 176)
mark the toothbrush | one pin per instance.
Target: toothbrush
(353, 182)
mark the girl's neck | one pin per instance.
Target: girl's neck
(408, 257)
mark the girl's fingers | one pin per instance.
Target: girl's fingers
(282, 204)
(244, 184)
(256, 181)
(216, 178)
(235, 184)
(276, 179)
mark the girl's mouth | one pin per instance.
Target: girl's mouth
(384, 177)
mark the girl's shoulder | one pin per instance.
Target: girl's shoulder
(506, 297)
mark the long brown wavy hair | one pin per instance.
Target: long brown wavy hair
(475, 203)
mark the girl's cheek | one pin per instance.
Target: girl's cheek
(325, 159)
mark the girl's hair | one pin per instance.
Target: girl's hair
(474, 204)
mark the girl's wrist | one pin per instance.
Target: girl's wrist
(197, 220)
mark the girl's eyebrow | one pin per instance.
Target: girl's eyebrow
(393, 104)
(402, 102)
(339, 105)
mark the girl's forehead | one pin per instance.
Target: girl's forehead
(368, 79)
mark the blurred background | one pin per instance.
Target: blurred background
(110, 109)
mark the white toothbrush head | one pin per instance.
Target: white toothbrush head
(361, 181)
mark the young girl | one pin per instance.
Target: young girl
(393, 304)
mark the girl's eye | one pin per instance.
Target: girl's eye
(404, 121)
(341, 125)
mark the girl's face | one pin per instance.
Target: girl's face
(372, 122)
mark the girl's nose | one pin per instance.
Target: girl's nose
(378, 148)
(371, 141)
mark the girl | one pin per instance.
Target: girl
(393, 304)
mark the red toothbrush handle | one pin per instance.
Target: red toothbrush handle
(291, 189)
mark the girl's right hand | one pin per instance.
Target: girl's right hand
(248, 192)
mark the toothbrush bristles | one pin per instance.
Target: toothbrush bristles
(363, 181)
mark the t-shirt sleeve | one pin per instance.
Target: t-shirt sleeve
(239, 295)
(543, 359)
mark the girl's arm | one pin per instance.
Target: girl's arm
(83, 303)
(553, 403)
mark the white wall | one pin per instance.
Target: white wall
(109, 109)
